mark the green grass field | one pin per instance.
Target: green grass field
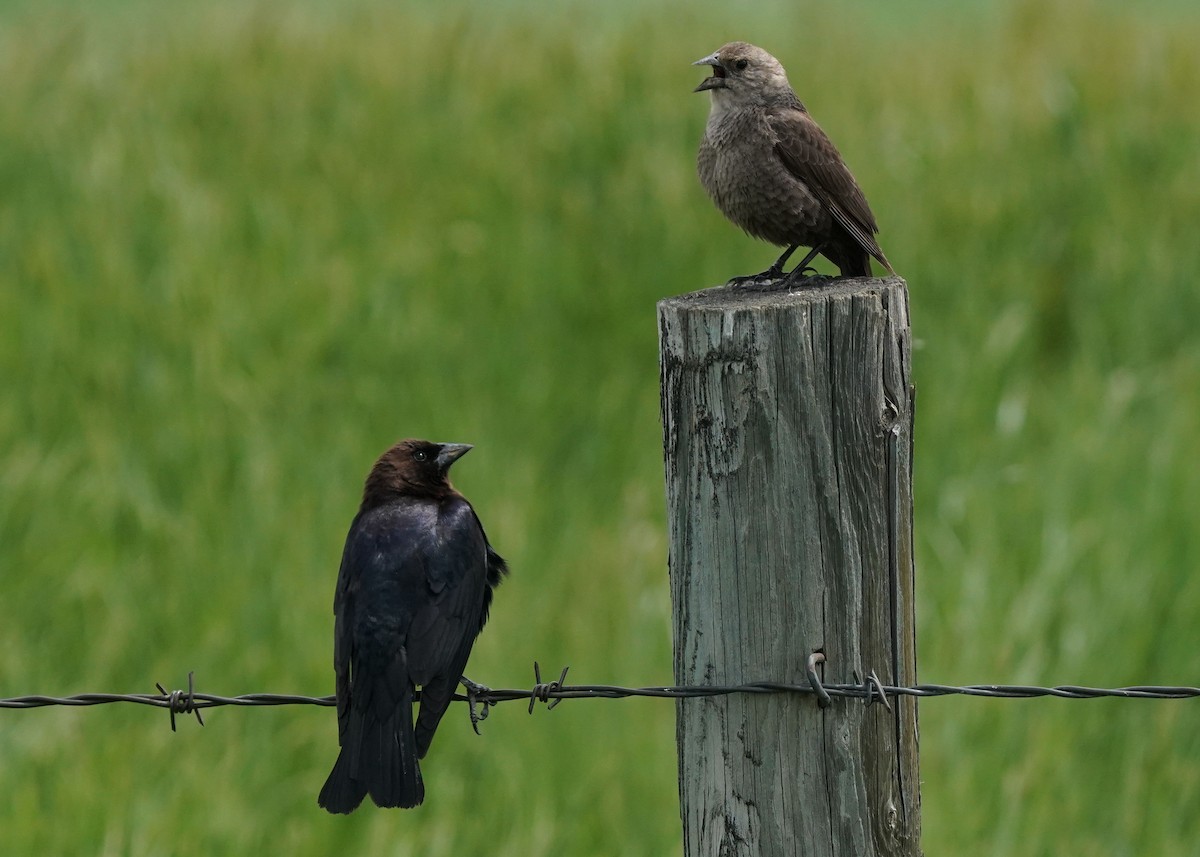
(245, 247)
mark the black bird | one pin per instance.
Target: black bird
(413, 593)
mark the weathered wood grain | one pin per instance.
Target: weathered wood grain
(787, 430)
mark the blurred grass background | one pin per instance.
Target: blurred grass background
(244, 247)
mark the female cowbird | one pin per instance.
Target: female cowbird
(413, 593)
(772, 170)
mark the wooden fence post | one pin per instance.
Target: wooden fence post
(787, 431)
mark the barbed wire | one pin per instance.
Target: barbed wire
(481, 698)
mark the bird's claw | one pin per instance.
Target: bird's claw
(476, 697)
(807, 276)
(766, 278)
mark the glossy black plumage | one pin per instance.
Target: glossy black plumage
(413, 593)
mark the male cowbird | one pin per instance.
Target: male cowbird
(772, 171)
(413, 593)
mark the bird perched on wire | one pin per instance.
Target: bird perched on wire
(771, 170)
(413, 592)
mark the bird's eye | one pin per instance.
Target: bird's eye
(741, 65)
(420, 455)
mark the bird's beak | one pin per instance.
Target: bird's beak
(452, 452)
(717, 81)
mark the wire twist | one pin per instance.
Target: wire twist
(179, 702)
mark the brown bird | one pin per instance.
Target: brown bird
(771, 170)
(413, 593)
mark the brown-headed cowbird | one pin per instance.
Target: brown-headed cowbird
(413, 593)
(772, 171)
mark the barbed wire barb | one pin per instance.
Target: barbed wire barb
(542, 692)
(873, 688)
(182, 703)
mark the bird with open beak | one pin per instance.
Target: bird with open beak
(772, 171)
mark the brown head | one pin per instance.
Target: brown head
(412, 468)
(745, 76)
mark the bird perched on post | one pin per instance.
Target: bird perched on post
(413, 593)
(771, 170)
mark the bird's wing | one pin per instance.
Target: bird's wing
(381, 586)
(811, 157)
(345, 599)
(456, 570)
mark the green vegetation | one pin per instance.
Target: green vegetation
(243, 248)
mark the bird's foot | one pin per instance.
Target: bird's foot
(806, 276)
(478, 704)
(766, 278)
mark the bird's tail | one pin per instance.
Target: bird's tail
(378, 757)
(851, 259)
